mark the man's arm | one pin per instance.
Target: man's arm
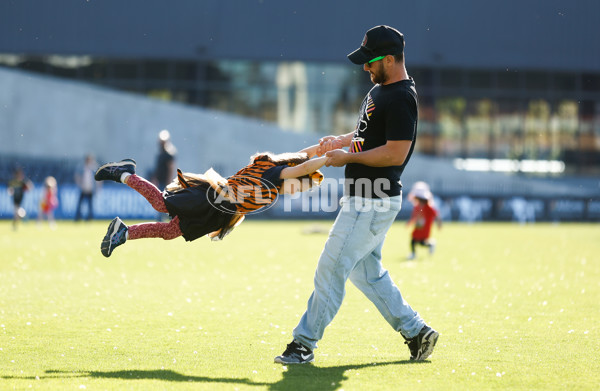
(392, 153)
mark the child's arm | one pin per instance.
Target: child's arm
(413, 217)
(305, 168)
(310, 151)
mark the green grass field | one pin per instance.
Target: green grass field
(517, 308)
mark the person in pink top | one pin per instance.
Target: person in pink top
(49, 201)
(422, 218)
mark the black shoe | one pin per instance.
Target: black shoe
(422, 345)
(115, 236)
(295, 353)
(113, 171)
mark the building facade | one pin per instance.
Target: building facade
(507, 81)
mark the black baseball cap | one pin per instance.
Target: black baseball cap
(378, 41)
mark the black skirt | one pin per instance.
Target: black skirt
(195, 207)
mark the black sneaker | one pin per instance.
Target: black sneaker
(113, 171)
(422, 345)
(295, 353)
(115, 236)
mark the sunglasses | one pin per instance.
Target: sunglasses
(376, 59)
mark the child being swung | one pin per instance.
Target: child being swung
(207, 204)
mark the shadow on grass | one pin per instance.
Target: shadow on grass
(295, 377)
(311, 377)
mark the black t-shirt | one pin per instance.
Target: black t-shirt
(388, 112)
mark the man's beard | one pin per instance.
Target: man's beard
(380, 76)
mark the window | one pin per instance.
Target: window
(536, 81)
(508, 80)
(422, 77)
(184, 71)
(590, 82)
(156, 70)
(451, 78)
(565, 82)
(125, 70)
(480, 79)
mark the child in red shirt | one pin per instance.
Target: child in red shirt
(422, 217)
(49, 201)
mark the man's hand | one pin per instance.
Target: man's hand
(326, 138)
(328, 143)
(336, 158)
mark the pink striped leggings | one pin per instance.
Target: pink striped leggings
(150, 192)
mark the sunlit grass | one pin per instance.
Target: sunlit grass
(517, 307)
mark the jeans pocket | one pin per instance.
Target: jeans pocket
(378, 225)
(382, 219)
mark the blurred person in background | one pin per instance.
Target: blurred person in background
(84, 178)
(422, 218)
(380, 147)
(17, 187)
(48, 201)
(164, 170)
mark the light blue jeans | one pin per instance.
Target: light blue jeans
(353, 250)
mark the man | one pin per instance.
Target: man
(84, 178)
(17, 187)
(164, 171)
(380, 148)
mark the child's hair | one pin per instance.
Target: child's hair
(50, 182)
(211, 180)
(188, 179)
(420, 191)
(291, 158)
